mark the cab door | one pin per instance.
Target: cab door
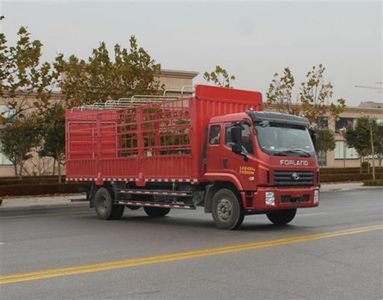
(214, 148)
(243, 166)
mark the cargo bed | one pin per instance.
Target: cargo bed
(161, 141)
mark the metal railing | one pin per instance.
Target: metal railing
(139, 99)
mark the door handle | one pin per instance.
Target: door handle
(225, 162)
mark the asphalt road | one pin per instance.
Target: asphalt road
(330, 252)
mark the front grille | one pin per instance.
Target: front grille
(293, 178)
(289, 199)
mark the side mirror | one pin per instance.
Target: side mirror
(236, 135)
(314, 137)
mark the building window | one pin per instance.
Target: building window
(344, 123)
(342, 152)
(322, 122)
(7, 113)
(4, 161)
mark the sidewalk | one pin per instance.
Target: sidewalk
(43, 201)
(66, 200)
(342, 186)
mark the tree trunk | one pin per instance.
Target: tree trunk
(54, 167)
(21, 170)
(15, 168)
(361, 165)
(59, 169)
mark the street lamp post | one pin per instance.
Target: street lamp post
(343, 132)
(372, 148)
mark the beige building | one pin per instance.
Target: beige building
(175, 79)
(343, 156)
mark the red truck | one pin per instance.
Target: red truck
(215, 148)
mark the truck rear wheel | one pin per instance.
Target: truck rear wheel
(227, 210)
(103, 204)
(282, 217)
(156, 211)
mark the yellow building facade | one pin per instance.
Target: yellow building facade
(343, 156)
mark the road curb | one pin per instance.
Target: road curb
(42, 201)
(345, 189)
(40, 207)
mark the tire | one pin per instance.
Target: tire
(103, 204)
(282, 217)
(227, 210)
(156, 211)
(133, 207)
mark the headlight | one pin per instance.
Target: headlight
(270, 198)
(316, 196)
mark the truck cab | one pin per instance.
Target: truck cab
(269, 157)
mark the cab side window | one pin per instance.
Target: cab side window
(247, 140)
(214, 135)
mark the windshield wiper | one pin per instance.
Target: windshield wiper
(304, 153)
(279, 153)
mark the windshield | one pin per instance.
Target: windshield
(284, 140)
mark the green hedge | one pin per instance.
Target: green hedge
(377, 182)
(326, 171)
(347, 177)
(41, 189)
(30, 180)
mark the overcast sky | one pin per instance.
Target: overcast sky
(252, 40)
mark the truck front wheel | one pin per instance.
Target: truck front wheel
(103, 204)
(227, 210)
(282, 217)
(156, 211)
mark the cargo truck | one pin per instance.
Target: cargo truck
(214, 148)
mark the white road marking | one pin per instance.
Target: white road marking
(312, 214)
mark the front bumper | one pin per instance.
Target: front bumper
(284, 198)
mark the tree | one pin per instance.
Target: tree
(314, 99)
(280, 93)
(325, 140)
(23, 76)
(100, 78)
(18, 139)
(52, 124)
(219, 77)
(316, 94)
(365, 138)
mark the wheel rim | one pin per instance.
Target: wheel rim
(102, 205)
(224, 209)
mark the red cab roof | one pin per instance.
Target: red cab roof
(229, 95)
